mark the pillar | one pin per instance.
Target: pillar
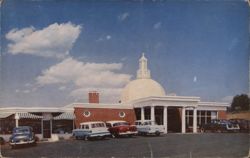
(51, 127)
(42, 127)
(152, 114)
(17, 119)
(195, 120)
(142, 114)
(183, 120)
(165, 118)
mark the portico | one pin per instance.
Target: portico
(179, 102)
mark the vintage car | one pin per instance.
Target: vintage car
(90, 130)
(121, 128)
(244, 124)
(148, 127)
(220, 126)
(22, 135)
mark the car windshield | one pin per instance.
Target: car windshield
(120, 124)
(21, 130)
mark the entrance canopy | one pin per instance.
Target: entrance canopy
(28, 115)
(65, 116)
(173, 101)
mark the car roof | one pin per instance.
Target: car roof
(23, 127)
(91, 122)
(115, 121)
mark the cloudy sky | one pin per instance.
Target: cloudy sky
(54, 52)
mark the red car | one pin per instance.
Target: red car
(121, 128)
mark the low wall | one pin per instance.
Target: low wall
(239, 115)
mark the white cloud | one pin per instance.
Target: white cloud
(123, 16)
(55, 41)
(108, 37)
(195, 79)
(62, 88)
(26, 91)
(86, 77)
(157, 25)
(106, 94)
(28, 85)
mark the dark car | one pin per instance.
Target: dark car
(22, 135)
(220, 126)
(244, 124)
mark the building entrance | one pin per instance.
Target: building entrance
(46, 129)
(174, 120)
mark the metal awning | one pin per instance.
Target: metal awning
(29, 115)
(65, 116)
(4, 115)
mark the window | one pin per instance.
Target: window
(108, 125)
(85, 126)
(122, 114)
(86, 113)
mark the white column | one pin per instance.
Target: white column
(165, 118)
(205, 117)
(152, 114)
(51, 128)
(183, 120)
(42, 127)
(195, 120)
(142, 114)
(17, 119)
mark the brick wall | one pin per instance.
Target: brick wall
(222, 115)
(100, 114)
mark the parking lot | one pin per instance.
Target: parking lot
(171, 145)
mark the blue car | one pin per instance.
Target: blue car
(22, 135)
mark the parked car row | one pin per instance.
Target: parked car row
(99, 129)
(233, 125)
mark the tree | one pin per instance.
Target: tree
(240, 103)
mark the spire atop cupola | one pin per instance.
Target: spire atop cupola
(143, 72)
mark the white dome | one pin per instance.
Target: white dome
(141, 88)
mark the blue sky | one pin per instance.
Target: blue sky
(54, 52)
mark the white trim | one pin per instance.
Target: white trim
(122, 116)
(104, 106)
(86, 113)
(5, 115)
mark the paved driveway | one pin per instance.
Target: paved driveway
(172, 145)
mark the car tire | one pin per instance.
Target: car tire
(157, 133)
(86, 138)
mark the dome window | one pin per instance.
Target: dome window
(122, 114)
(86, 113)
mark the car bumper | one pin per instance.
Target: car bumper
(128, 133)
(99, 134)
(22, 142)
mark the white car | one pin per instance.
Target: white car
(148, 127)
(89, 130)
